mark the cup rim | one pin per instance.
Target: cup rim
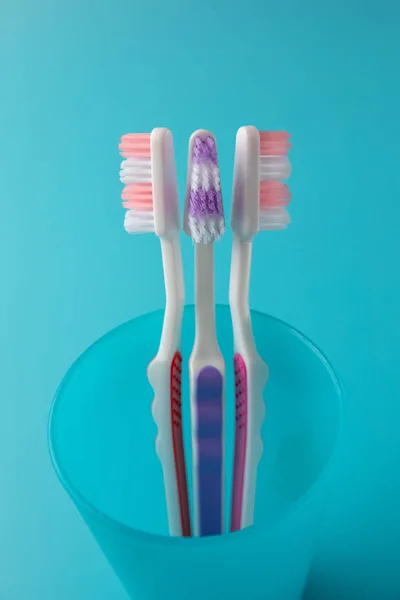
(80, 500)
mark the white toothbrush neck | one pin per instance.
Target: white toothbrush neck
(174, 292)
(239, 295)
(206, 341)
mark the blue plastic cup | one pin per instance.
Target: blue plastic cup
(102, 443)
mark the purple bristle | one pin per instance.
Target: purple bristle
(205, 150)
(205, 210)
(204, 203)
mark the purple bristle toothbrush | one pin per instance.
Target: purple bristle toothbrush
(204, 222)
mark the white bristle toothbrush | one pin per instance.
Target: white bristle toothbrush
(258, 203)
(151, 197)
(204, 222)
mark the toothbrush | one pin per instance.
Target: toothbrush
(259, 200)
(204, 222)
(151, 198)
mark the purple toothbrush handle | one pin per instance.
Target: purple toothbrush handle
(209, 441)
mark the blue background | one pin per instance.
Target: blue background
(75, 75)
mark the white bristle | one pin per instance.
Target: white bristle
(139, 221)
(204, 231)
(135, 170)
(274, 168)
(273, 218)
(205, 176)
(216, 177)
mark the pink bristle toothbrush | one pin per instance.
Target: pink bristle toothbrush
(204, 222)
(259, 200)
(151, 197)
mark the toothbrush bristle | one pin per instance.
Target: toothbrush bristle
(138, 196)
(205, 212)
(274, 166)
(135, 145)
(136, 174)
(274, 143)
(274, 194)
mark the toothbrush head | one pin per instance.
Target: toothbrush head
(150, 194)
(259, 196)
(204, 212)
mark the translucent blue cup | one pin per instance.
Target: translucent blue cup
(102, 435)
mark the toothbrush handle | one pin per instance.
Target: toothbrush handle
(209, 450)
(251, 374)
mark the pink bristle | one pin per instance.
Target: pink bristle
(274, 194)
(274, 143)
(135, 145)
(138, 196)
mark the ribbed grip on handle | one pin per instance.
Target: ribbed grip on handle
(250, 379)
(209, 450)
(241, 414)
(165, 378)
(177, 440)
